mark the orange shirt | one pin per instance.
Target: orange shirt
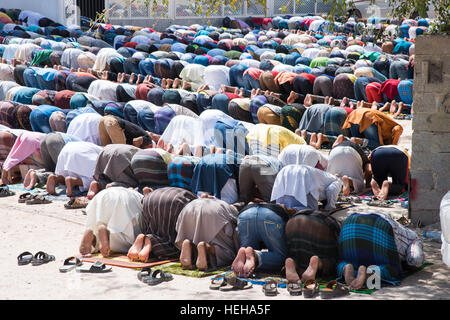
(389, 131)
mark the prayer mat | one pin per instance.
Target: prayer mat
(119, 260)
(61, 196)
(175, 268)
(368, 196)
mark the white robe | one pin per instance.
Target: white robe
(120, 210)
(346, 161)
(85, 127)
(302, 154)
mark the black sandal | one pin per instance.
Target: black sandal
(24, 197)
(295, 288)
(24, 258)
(154, 279)
(334, 289)
(144, 273)
(41, 258)
(270, 288)
(5, 192)
(234, 283)
(97, 267)
(310, 288)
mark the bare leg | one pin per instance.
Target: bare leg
(30, 179)
(348, 183)
(52, 181)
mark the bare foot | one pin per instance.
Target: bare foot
(374, 105)
(133, 252)
(144, 254)
(346, 189)
(360, 280)
(202, 259)
(250, 262)
(71, 183)
(186, 255)
(186, 85)
(132, 78)
(293, 96)
(311, 271)
(94, 188)
(146, 190)
(348, 273)
(375, 188)
(239, 262)
(176, 83)
(384, 192)
(291, 271)
(51, 184)
(87, 242)
(339, 140)
(103, 238)
(30, 179)
(393, 107)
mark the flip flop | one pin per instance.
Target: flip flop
(41, 258)
(5, 192)
(154, 279)
(76, 203)
(295, 288)
(270, 288)
(24, 258)
(217, 282)
(24, 197)
(334, 289)
(97, 267)
(234, 283)
(310, 288)
(70, 264)
(38, 199)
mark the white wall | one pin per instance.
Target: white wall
(53, 9)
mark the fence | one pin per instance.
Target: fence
(182, 11)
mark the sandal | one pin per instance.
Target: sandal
(70, 264)
(334, 289)
(295, 288)
(24, 258)
(97, 267)
(154, 279)
(144, 273)
(217, 282)
(5, 192)
(310, 288)
(24, 197)
(38, 199)
(270, 288)
(41, 258)
(234, 283)
(76, 203)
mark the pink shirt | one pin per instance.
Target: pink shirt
(26, 144)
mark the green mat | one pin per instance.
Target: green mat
(175, 268)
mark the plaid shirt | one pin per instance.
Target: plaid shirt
(181, 170)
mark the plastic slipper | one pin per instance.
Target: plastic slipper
(5, 192)
(270, 288)
(144, 273)
(217, 282)
(310, 288)
(97, 267)
(154, 279)
(41, 257)
(334, 289)
(380, 203)
(24, 258)
(76, 203)
(38, 199)
(70, 264)
(24, 197)
(234, 283)
(295, 288)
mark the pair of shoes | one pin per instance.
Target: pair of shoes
(36, 260)
(70, 264)
(151, 278)
(232, 283)
(5, 192)
(29, 198)
(333, 289)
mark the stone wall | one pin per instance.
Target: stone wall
(430, 159)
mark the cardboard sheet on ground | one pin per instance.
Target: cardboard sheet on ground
(119, 260)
